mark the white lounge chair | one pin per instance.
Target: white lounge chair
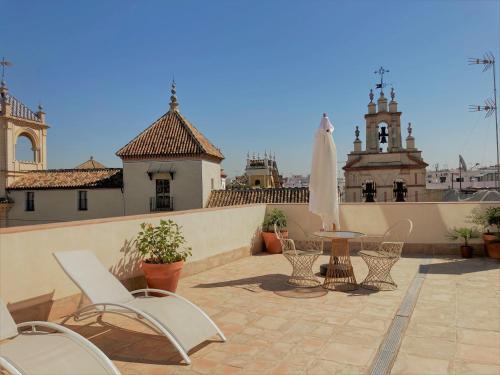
(181, 321)
(38, 352)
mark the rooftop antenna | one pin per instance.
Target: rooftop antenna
(4, 63)
(490, 107)
(381, 85)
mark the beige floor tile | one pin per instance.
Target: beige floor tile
(271, 322)
(348, 354)
(478, 337)
(467, 368)
(408, 364)
(323, 367)
(479, 354)
(428, 348)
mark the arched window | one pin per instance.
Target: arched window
(257, 182)
(25, 148)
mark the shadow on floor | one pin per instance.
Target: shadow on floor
(460, 266)
(272, 282)
(276, 283)
(126, 345)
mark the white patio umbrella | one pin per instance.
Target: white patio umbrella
(323, 197)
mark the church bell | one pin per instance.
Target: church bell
(382, 135)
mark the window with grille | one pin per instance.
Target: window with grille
(30, 201)
(82, 200)
(162, 194)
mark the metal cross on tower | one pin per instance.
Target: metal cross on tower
(381, 85)
(4, 63)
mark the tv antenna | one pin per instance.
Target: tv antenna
(490, 107)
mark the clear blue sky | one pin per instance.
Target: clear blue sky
(251, 75)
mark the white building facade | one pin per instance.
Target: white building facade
(168, 166)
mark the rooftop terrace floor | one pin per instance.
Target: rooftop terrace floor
(454, 328)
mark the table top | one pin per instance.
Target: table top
(338, 234)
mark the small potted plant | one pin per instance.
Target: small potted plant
(466, 234)
(487, 219)
(161, 248)
(493, 247)
(278, 218)
(492, 243)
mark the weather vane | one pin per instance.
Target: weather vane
(4, 63)
(381, 85)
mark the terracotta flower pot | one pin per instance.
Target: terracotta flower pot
(163, 276)
(487, 238)
(493, 249)
(466, 251)
(272, 242)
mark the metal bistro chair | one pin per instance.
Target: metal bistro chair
(301, 259)
(381, 253)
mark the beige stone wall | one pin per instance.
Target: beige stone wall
(30, 275)
(52, 206)
(431, 221)
(414, 177)
(186, 188)
(10, 130)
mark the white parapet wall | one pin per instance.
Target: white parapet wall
(431, 221)
(29, 275)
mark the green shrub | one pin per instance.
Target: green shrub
(161, 244)
(277, 217)
(463, 233)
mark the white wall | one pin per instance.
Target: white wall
(186, 187)
(60, 205)
(431, 220)
(28, 269)
(210, 171)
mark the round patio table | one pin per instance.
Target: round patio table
(339, 274)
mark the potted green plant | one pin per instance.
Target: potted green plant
(493, 247)
(163, 252)
(278, 218)
(487, 219)
(492, 243)
(465, 234)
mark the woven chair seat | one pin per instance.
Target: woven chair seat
(377, 254)
(386, 253)
(303, 252)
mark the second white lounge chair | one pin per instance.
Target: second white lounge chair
(181, 321)
(39, 352)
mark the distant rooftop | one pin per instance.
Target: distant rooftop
(170, 136)
(91, 164)
(222, 198)
(69, 179)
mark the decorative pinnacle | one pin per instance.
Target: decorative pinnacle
(371, 96)
(174, 105)
(393, 93)
(4, 63)
(356, 132)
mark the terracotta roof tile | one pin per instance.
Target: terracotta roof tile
(169, 136)
(69, 179)
(221, 198)
(90, 164)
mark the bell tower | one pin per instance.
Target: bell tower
(20, 126)
(386, 170)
